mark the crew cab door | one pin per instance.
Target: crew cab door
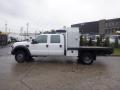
(56, 45)
(41, 47)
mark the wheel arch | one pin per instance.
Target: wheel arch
(81, 52)
(21, 48)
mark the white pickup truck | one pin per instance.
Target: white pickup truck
(62, 44)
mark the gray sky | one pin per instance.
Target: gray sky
(54, 14)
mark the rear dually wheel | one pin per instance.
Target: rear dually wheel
(86, 58)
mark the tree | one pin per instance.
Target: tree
(46, 32)
(98, 41)
(85, 42)
(90, 42)
(40, 32)
(81, 40)
(116, 45)
(53, 31)
(100, 38)
(107, 42)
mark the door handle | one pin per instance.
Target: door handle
(47, 45)
(60, 46)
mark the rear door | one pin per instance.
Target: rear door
(56, 45)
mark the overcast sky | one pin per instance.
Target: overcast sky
(54, 14)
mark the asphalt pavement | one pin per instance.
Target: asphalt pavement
(5, 50)
(58, 73)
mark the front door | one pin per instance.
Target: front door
(56, 45)
(41, 47)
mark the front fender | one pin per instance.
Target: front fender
(20, 47)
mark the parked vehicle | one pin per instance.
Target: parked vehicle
(65, 44)
(113, 37)
(94, 38)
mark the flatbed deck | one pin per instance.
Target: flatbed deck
(97, 50)
(94, 49)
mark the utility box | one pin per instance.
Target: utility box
(73, 37)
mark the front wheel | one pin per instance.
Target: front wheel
(86, 58)
(20, 56)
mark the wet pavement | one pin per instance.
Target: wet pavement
(58, 73)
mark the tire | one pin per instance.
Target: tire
(86, 59)
(20, 56)
(29, 59)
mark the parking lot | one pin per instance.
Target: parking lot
(58, 73)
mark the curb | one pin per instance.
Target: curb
(115, 55)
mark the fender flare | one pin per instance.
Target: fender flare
(21, 47)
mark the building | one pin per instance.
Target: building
(112, 26)
(109, 26)
(88, 27)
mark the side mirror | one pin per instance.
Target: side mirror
(34, 41)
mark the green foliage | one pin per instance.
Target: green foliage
(90, 43)
(116, 45)
(81, 40)
(53, 31)
(85, 41)
(116, 51)
(98, 41)
(101, 38)
(107, 42)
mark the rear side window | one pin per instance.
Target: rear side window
(55, 39)
(42, 39)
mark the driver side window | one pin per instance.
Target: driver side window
(42, 39)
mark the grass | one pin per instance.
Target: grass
(116, 51)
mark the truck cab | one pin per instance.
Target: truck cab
(47, 45)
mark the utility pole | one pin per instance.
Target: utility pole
(9, 30)
(24, 35)
(35, 33)
(21, 30)
(27, 28)
(5, 27)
